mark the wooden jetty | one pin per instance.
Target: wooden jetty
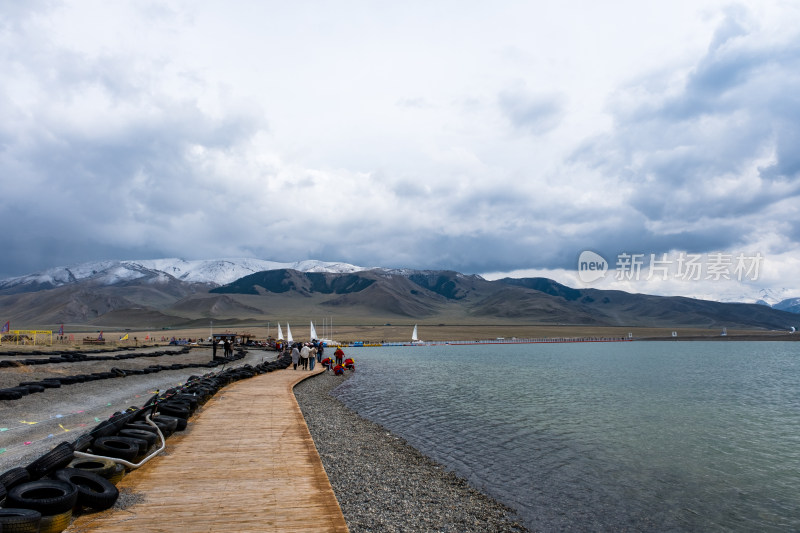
(245, 463)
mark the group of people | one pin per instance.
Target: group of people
(308, 354)
(227, 348)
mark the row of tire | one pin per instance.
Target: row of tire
(68, 352)
(76, 357)
(42, 496)
(32, 387)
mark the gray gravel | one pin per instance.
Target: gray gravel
(382, 483)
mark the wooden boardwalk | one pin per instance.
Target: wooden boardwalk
(246, 463)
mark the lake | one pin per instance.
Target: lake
(667, 436)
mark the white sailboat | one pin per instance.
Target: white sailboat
(313, 332)
(289, 338)
(414, 337)
(280, 333)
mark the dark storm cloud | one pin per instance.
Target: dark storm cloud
(104, 160)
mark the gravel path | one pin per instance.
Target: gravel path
(385, 485)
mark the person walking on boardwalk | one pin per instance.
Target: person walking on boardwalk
(304, 353)
(312, 357)
(339, 355)
(295, 356)
(320, 351)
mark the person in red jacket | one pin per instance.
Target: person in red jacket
(339, 354)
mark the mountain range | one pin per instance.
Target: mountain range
(179, 293)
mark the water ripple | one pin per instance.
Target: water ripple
(643, 436)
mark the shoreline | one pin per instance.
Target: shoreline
(384, 484)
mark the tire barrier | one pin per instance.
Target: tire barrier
(31, 387)
(36, 503)
(75, 357)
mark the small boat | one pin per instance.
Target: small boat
(415, 337)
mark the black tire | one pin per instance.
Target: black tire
(163, 426)
(15, 476)
(104, 429)
(20, 520)
(48, 496)
(6, 394)
(101, 467)
(2, 494)
(188, 398)
(58, 457)
(140, 425)
(168, 422)
(142, 434)
(183, 403)
(180, 423)
(82, 443)
(117, 447)
(56, 523)
(93, 491)
(141, 444)
(177, 411)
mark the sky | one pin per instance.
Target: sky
(497, 138)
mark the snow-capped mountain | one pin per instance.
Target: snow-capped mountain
(768, 296)
(790, 304)
(222, 271)
(210, 271)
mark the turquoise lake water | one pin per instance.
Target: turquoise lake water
(654, 436)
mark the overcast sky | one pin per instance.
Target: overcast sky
(483, 137)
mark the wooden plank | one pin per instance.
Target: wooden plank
(246, 463)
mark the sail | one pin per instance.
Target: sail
(414, 335)
(280, 333)
(289, 333)
(313, 332)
